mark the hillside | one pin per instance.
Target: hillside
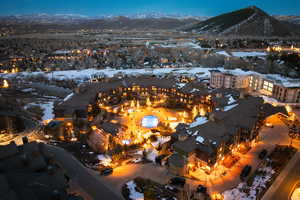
(57, 23)
(288, 18)
(250, 21)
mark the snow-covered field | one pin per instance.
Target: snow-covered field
(242, 54)
(199, 72)
(248, 54)
(182, 45)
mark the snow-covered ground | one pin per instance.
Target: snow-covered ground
(199, 72)
(182, 45)
(242, 54)
(258, 184)
(198, 121)
(223, 53)
(231, 100)
(133, 194)
(248, 54)
(104, 159)
(47, 109)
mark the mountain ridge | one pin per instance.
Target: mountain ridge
(251, 21)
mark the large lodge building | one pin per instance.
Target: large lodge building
(233, 121)
(274, 87)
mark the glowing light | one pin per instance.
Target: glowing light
(288, 108)
(127, 142)
(5, 84)
(217, 196)
(296, 194)
(150, 121)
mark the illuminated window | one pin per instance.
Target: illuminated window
(251, 81)
(268, 86)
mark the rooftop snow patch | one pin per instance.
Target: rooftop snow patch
(198, 121)
(227, 108)
(231, 100)
(223, 53)
(200, 139)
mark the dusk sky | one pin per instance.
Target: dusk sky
(116, 7)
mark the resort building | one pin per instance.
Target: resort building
(211, 143)
(283, 90)
(228, 80)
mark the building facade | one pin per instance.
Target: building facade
(257, 84)
(228, 80)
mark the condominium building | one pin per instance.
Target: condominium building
(228, 80)
(282, 89)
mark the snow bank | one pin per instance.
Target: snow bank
(134, 195)
(68, 97)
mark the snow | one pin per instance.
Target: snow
(227, 108)
(198, 121)
(194, 90)
(223, 53)
(182, 45)
(199, 72)
(180, 85)
(28, 90)
(47, 108)
(104, 159)
(258, 184)
(161, 140)
(200, 139)
(133, 194)
(61, 52)
(152, 154)
(231, 100)
(68, 97)
(248, 54)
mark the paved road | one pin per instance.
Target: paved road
(94, 186)
(287, 184)
(284, 183)
(125, 173)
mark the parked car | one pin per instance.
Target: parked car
(245, 172)
(201, 189)
(178, 181)
(106, 171)
(263, 154)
